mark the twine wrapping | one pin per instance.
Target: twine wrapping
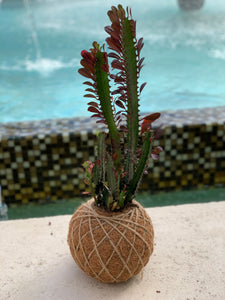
(111, 247)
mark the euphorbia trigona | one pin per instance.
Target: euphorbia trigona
(122, 155)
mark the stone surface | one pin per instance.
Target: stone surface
(188, 261)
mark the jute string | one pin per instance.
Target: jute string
(121, 223)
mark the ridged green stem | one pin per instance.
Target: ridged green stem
(102, 86)
(140, 168)
(130, 60)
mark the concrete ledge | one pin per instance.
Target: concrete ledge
(188, 261)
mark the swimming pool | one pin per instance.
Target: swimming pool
(63, 207)
(40, 52)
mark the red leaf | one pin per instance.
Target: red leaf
(121, 12)
(117, 78)
(89, 83)
(121, 90)
(140, 45)
(115, 35)
(145, 126)
(147, 121)
(117, 65)
(90, 96)
(141, 60)
(123, 98)
(87, 65)
(120, 104)
(108, 29)
(118, 118)
(142, 86)
(90, 90)
(112, 15)
(115, 92)
(116, 27)
(93, 109)
(152, 117)
(113, 46)
(123, 128)
(140, 66)
(118, 122)
(85, 73)
(101, 121)
(96, 116)
(83, 52)
(93, 104)
(87, 56)
(114, 55)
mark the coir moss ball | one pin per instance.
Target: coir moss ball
(111, 247)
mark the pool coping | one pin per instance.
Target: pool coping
(181, 117)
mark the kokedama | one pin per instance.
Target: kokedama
(111, 236)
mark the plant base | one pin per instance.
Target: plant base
(111, 247)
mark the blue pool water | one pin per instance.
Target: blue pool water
(41, 40)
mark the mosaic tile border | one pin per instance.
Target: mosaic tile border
(85, 124)
(40, 160)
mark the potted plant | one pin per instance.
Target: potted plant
(111, 236)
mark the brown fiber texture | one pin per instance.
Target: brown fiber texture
(111, 247)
